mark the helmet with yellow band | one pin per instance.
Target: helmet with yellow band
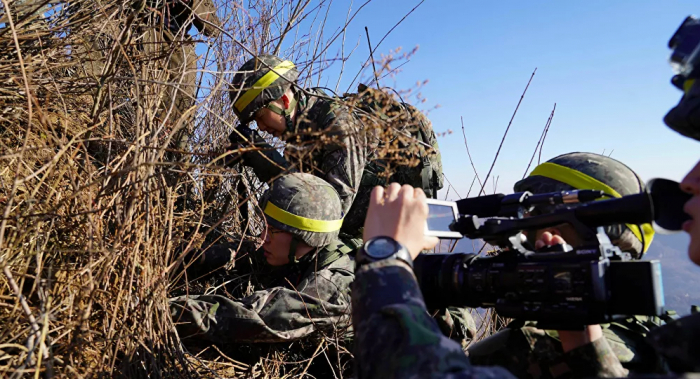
(258, 82)
(305, 206)
(593, 171)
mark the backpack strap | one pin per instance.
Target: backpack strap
(327, 255)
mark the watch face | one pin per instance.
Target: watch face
(381, 248)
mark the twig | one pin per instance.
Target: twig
(506, 133)
(382, 40)
(469, 154)
(371, 57)
(541, 140)
(25, 307)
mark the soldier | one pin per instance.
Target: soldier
(332, 138)
(264, 90)
(307, 291)
(528, 352)
(395, 337)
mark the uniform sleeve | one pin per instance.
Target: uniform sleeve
(344, 155)
(267, 163)
(595, 359)
(205, 18)
(394, 334)
(275, 315)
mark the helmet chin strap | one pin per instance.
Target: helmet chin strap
(293, 250)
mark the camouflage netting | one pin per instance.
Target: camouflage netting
(105, 184)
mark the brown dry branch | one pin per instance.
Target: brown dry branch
(106, 183)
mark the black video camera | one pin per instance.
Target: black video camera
(590, 284)
(685, 50)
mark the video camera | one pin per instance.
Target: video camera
(561, 287)
(685, 47)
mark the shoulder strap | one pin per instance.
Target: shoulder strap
(327, 255)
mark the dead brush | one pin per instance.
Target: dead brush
(100, 197)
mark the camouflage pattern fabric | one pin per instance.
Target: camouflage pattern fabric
(679, 343)
(340, 158)
(425, 169)
(307, 196)
(533, 353)
(456, 323)
(248, 74)
(395, 336)
(302, 303)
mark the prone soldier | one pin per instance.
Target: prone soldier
(308, 288)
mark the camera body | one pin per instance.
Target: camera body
(560, 287)
(557, 289)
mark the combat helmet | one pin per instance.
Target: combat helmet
(261, 80)
(593, 171)
(306, 206)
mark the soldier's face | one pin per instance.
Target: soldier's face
(271, 122)
(276, 246)
(691, 185)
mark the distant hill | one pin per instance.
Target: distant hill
(681, 277)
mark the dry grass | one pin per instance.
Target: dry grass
(100, 197)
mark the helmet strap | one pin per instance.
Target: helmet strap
(293, 250)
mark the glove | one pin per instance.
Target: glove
(243, 136)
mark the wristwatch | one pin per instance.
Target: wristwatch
(380, 248)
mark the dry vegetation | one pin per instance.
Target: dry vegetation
(101, 195)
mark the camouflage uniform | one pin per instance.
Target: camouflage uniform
(300, 298)
(679, 343)
(340, 160)
(336, 139)
(529, 352)
(395, 336)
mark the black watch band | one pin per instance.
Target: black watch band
(381, 248)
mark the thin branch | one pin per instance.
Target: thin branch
(371, 57)
(506, 133)
(464, 134)
(382, 40)
(541, 140)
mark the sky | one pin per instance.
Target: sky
(604, 64)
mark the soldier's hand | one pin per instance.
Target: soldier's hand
(570, 339)
(243, 135)
(400, 213)
(548, 239)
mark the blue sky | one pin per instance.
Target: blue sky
(605, 64)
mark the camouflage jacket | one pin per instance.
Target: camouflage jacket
(329, 142)
(679, 343)
(396, 337)
(529, 352)
(312, 300)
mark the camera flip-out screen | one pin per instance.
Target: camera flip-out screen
(441, 215)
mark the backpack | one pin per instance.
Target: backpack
(417, 148)
(413, 156)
